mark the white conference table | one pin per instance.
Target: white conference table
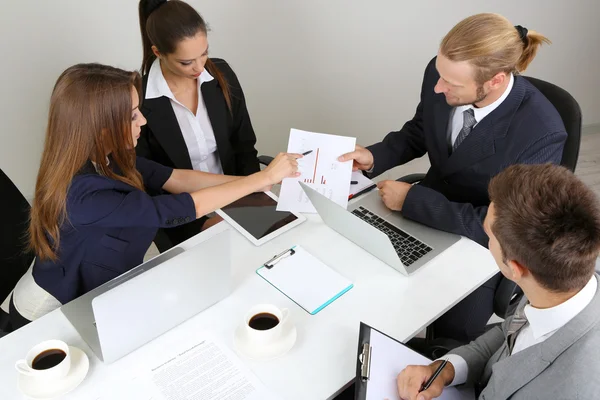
(323, 360)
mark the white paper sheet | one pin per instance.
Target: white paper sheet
(320, 170)
(362, 182)
(306, 280)
(200, 369)
(388, 359)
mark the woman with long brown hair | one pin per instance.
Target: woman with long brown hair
(197, 115)
(91, 218)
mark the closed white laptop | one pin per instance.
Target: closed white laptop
(131, 310)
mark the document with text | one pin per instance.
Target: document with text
(320, 169)
(202, 370)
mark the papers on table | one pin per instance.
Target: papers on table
(320, 170)
(388, 359)
(362, 183)
(201, 368)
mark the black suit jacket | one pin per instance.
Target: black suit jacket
(524, 129)
(161, 139)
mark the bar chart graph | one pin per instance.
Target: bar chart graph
(322, 181)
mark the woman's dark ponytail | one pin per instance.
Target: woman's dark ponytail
(146, 8)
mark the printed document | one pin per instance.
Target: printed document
(199, 369)
(320, 170)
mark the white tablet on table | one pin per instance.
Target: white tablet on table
(255, 216)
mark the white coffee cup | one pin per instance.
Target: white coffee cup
(266, 336)
(58, 371)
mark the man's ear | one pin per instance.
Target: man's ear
(497, 80)
(517, 271)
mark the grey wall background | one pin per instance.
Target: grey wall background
(344, 67)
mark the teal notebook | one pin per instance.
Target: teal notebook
(304, 279)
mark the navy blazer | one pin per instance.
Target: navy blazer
(108, 229)
(453, 197)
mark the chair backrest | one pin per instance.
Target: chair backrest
(508, 294)
(569, 112)
(14, 257)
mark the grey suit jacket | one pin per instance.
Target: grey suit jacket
(564, 366)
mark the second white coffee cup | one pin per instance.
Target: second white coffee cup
(266, 324)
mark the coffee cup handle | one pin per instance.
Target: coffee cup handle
(285, 313)
(23, 367)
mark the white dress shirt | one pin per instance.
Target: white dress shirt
(456, 115)
(196, 129)
(541, 324)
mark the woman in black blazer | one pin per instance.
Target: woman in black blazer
(195, 106)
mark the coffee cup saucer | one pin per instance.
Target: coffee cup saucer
(264, 352)
(44, 390)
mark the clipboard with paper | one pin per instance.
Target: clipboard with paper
(381, 359)
(304, 279)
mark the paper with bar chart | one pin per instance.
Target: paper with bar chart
(320, 170)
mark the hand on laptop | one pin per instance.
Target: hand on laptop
(412, 378)
(393, 193)
(363, 159)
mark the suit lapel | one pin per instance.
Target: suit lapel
(480, 143)
(532, 361)
(217, 113)
(163, 123)
(477, 146)
(505, 381)
(441, 115)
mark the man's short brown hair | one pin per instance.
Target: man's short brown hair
(548, 221)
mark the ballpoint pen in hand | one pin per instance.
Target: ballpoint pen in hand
(435, 375)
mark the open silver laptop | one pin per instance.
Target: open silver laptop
(129, 311)
(403, 244)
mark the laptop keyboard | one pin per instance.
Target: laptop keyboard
(408, 248)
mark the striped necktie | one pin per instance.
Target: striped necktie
(469, 122)
(516, 324)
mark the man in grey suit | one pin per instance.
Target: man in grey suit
(544, 230)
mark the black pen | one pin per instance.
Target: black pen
(435, 375)
(365, 190)
(307, 153)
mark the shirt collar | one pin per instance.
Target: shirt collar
(548, 320)
(481, 113)
(157, 85)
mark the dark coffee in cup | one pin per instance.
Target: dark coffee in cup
(263, 321)
(48, 359)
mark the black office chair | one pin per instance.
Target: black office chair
(265, 160)
(14, 256)
(508, 294)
